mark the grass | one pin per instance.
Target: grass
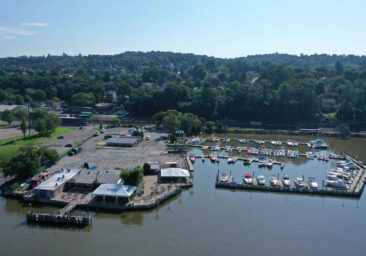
(9, 147)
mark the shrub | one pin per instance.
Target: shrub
(147, 168)
(132, 177)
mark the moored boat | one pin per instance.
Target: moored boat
(261, 180)
(247, 179)
(286, 180)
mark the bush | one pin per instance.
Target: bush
(132, 177)
(147, 168)
(108, 136)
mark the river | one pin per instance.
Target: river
(208, 221)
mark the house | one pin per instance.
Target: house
(12, 108)
(104, 107)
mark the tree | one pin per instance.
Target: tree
(8, 116)
(40, 126)
(171, 123)
(209, 126)
(24, 126)
(344, 131)
(83, 99)
(147, 168)
(132, 177)
(338, 66)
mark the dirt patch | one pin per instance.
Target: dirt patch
(6, 133)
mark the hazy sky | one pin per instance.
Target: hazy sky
(229, 28)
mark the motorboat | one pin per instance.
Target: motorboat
(215, 147)
(318, 144)
(269, 163)
(334, 181)
(262, 163)
(229, 149)
(192, 158)
(247, 179)
(289, 143)
(299, 182)
(261, 180)
(224, 177)
(286, 180)
(230, 160)
(279, 143)
(312, 183)
(246, 161)
(273, 143)
(213, 158)
(261, 142)
(274, 181)
(204, 147)
(226, 140)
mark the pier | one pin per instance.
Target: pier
(355, 190)
(63, 217)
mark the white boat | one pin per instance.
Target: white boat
(261, 180)
(334, 181)
(192, 158)
(312, 183)
(319, 144)
(230, 160)
(261, 142)
(247, 179)
(269, 163)
(261, 163)
(273, 143)
(299, 182)
(274, 181)
(289, 143)
(224, 177)
(229, 149)
(286, 181)
(246, 161)
(204, 147)
(279, 143)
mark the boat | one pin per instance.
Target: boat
(269, 164)
(261, 180)
(229, 149)
(273, 143)
(312, 183)
(247, 179)
(192, 158)
(204, 147)
(282, 165)
(334, 181)
(230, 160)
(299, 182)
(318, 144)
(226, 140)
(246, 161)
(289, 143)
(286, 180)
(261, 142)
(213, 158)
(262, 163)
(279, 143)
(274, 181)
(224, 177)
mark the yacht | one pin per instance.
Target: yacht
(312, 183)
(274, 181)
(204, 147)
(299, 182)
(279, 143)
(273, 143)
(192, 158)
(213, 158)
(334, 181)
(319, 144)
(286, 180)
(269, 163)
(289, 143)
(230, 160)
(224, 177)
(261, 180)
(247, 179)
(246, 161)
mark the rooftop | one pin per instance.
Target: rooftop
(57, 180)
(86, 176)
(118, 190)
(174, 173)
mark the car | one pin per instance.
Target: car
(96, 133)
(75, 150)
(71, 153)
(102, 130)
(148, 137)
(68, 145)
(60, 137)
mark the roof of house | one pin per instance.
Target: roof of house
(10, 107)
(57, 180)
(174, 173)
(87, 176)
(118, 190)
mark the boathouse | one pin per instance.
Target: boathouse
(114, 192)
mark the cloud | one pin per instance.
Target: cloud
(14, 31)
(9, 37)
(34, 24)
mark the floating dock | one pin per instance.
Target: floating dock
(355, 189)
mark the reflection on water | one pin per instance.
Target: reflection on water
(134, 218)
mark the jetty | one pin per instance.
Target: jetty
(62, 217)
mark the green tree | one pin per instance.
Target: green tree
(83, 99)
(147, 168)
(344, 131)
(24, 165)
(24, 126)
(40, 126)
(132, 177)
(171, 123)
(209, 126)
(8, 116)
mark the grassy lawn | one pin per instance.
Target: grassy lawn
(9, 147)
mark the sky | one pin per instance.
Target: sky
(226, 28)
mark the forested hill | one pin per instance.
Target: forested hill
(132, 61)
(310, 90)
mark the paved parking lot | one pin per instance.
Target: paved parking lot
(116, 157)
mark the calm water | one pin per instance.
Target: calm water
(208, 221)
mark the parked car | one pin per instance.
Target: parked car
(102, 130)
(71, 153)
(148, 137)
(96, 133)
(68, 145)
(60, 137)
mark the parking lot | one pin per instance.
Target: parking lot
(115, 157)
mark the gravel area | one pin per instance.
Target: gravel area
(116, 157)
